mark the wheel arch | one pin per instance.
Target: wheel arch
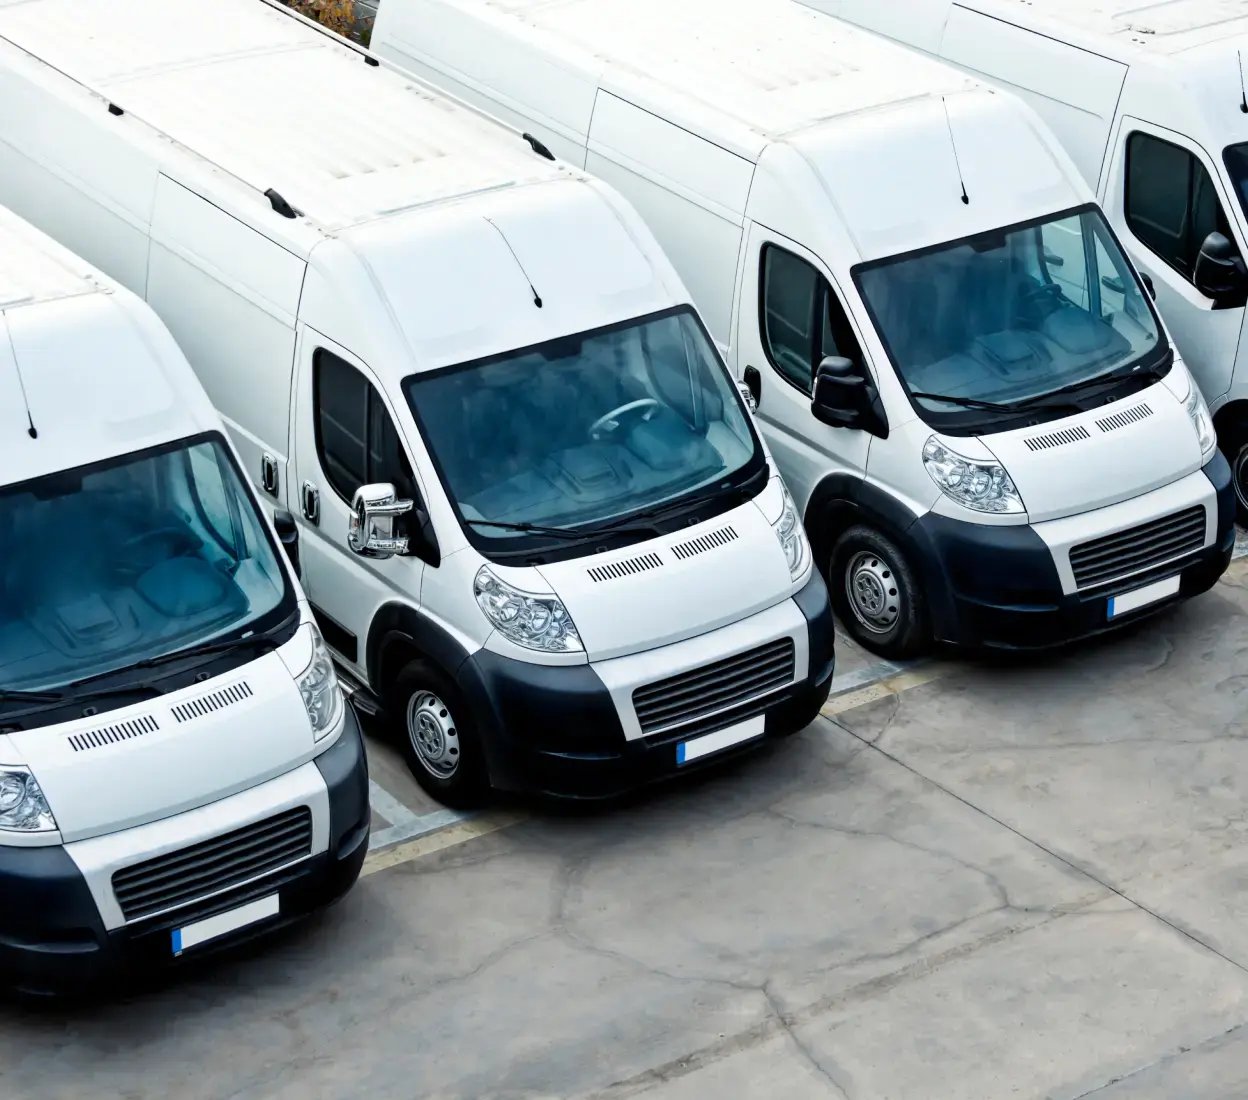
(399, 634)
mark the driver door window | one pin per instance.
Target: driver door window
(803, 321)
(1171, 202)
(356, 440)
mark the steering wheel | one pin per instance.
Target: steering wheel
(610, 421)
(140, 551)
(1042, 299)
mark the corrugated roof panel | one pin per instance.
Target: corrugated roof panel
(33, 269)
(275, 103)
(769, 64)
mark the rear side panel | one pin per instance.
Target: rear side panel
(230, 297)
(1075, 91)
(691, 193)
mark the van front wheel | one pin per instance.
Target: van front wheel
(1233, 441)
(876, 595)
(436, 736)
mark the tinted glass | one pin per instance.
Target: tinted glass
(102, 567)
(1011, 316)
(587, 428)
(342, 408)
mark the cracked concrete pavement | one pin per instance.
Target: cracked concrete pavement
(1022, 878)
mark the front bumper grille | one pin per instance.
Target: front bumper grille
(715, 687)
(188, 874)
(1138, 549)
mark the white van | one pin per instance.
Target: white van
(538, 525)
(1149, 101)
(178, 769)
(988, 444)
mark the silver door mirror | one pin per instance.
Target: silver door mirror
(374, 510)
(747, 395)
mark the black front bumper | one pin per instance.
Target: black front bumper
(997, 587)
(53, 941)
(555, 730)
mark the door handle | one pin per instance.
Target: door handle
(754, 383)
(268, 473)
(311, 503)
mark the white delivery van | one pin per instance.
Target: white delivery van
(988, 444)
(537, 523)
(178, 770)
(1149, 102)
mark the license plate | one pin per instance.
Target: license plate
(1142, 597)
(688, 751)
(231, 921)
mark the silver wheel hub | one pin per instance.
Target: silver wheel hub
(874, 598)
(434, 736)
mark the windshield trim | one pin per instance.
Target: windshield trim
(551, 550)
(282, 614)
(969, 422)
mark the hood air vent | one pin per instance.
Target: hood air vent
(703, 543)
(1122, 419)
(1057, 439)
(618, 569)
(217, 700)
(110, 735)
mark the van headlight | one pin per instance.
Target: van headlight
(23, 809)
(1202, 421)
(973, 483)
(318, 687)
(792, 538)
(535, 622)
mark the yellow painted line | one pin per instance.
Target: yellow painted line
(439, 841)
(894, 685)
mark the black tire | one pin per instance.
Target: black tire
(878, 569)
(425, 699)
(1233, 443)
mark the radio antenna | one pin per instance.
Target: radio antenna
(31, 430)
(966, 199)
(1243, 96)
(537, 298)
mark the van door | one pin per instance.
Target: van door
(1164, 198)
(791, 316)
(344, 437)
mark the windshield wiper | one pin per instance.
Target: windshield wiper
(10, 695)
(528, 529)
(1040, 402)
(255, 642)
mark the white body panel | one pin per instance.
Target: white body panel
(434, 239)
(1097, 74)
(735, 129)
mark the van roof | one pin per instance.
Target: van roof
(770, 67)
(274, 102)
(35, 269)
(1165, 28)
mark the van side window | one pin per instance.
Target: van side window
(802, 319)
(356, 441)
(1171, 204)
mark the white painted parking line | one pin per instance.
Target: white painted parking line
(388, 806)
(1241, 543)
(415, 827)
(872, 674)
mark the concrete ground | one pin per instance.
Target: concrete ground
(968, 879)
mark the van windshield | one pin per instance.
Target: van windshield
(586, 430)
(985, 328)
(106, 565)
(1236, 157)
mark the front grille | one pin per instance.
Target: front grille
(692, 695)
(1138, 549)
(212, 865)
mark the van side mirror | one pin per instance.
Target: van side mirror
(1220, 273)
(288, 535)
(371, 532)
(845, 397)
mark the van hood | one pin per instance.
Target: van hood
(1105, 455)
(168, 755)
(679, 586)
